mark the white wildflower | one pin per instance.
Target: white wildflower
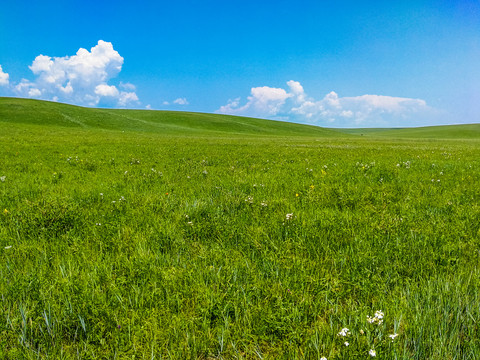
(289, 216)
(344, 332)
(372, 353)
(346, 343)
(379, 314)
(377, 318)
(393, 336)
(2, 178)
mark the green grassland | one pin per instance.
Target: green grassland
(164, 235)
(33, 112)
(461, 132)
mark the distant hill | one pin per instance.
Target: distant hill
(467, 131)
(44, 113)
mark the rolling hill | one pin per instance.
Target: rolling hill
(44, 113)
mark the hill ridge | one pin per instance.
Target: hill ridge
(47, 113)
(39, 112)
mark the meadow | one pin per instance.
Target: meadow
(151, 235)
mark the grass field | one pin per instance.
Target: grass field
(160, 235)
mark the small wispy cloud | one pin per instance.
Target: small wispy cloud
(180, 101)
(294, 104)
(127, 86)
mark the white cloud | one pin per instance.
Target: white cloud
(127, 86)
(106, 90)
(181, 101)
(365, 110)
(297, 90)
(81, 78)
(67, 89)
(3, 77)
(264, 101)
(34, 92)
(25, 87)
(268, 100)
(126, 98)
(232, 107)
(295, 105)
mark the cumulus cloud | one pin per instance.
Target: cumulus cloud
(3, 77)
(180, 101)
(263, 101)
(294, 105)
(106, 90)
(82, 78)
(297, 90)
(358, 110)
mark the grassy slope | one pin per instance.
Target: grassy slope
(36, 112)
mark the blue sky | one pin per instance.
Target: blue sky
(328, 63)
